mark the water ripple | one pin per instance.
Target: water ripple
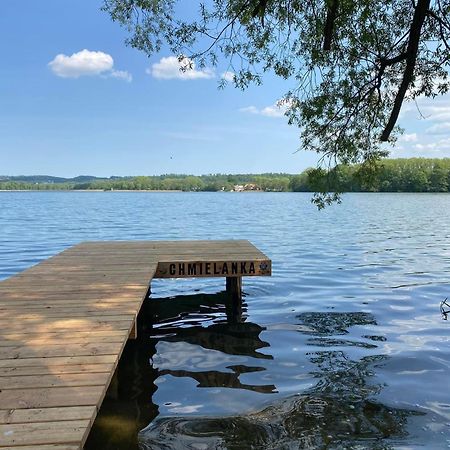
(343, 347)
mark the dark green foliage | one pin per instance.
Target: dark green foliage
(391, 175)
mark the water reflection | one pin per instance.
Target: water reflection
(338, 412)
(188, 332)
(445, 309)
(185, 325)
(325, 326)
(310, 421)
(331, 323)
(197, 339)
(209, 321)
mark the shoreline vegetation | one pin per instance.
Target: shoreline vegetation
(393, 175)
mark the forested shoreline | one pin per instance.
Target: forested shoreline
(393, 175)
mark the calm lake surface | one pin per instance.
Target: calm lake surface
(343, 347)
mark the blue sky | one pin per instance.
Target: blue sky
(75, 100)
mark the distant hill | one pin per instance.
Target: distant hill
(47, 179)
(85, 179)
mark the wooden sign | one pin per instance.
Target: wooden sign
(192, 269)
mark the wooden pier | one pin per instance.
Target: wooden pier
(64, 324)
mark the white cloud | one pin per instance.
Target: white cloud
(423, 147)
(186, 410)
(427, 128)
(434, 149)
(435, 110)
(170, 68)
(278, 109)
(122, 75)
(82, 63)
(439, 128)
(412, 137)
(273, 111)
(250, 109)
(438, 114)
(228, 76)
(86, 63)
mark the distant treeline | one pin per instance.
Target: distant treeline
(393, 175)
(267, 182)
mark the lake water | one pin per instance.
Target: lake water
(343, 347)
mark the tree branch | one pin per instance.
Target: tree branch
(260, 10)
(329, 24)
(413, 47)
(384, 62)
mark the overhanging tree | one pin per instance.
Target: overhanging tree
(352, 63)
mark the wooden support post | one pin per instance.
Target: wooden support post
(234, 304)
(234, 287)
(113, 389)
(133, 332)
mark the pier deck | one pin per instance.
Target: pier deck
(64, 324)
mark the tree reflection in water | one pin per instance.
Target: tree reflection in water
(338, 412)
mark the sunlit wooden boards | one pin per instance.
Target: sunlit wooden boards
(64, 324)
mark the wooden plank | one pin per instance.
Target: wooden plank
(47, 381)
(127, 266)
(70, 308)
(32, 415)
(58, 361)
(51, 397)
(72, 299)
(59, 432)
(68, 269)
(86, 324)
(106, 295)
(50, 313)
(112, 278)
(64, 290)
(49, 340)
(55, 350)
(146, 246)
(71, 285)
(48, 447)
(58, 334)
(55, 370)
(69, 333)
